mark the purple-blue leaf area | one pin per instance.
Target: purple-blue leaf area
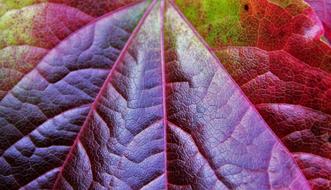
(41, 116)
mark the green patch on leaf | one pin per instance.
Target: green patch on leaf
(16, 26)
(222, 16)
(6, 5)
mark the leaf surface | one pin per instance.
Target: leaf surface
(273, 50)
(15, 62)
(137, 101)
(323, 10)
(29, 28)
(40, 25)
(41, 115)
(90, 7)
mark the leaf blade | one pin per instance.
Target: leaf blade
(220, 119)
(67, 89)
(166, 115)
(281, 64)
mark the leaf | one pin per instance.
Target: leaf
(31, 111)
(323, 10)
(122, 104)
(40, 25)
(90, 7)
(273, 50)
(28, 28)
(15, 62)
(26, 33)
(95, 8)
(317, 169)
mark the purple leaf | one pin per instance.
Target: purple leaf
(41, 116)
(130, 103)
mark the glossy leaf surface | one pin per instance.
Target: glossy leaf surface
(135, 99)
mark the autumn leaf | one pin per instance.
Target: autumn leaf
(273, 50)
(120, 95)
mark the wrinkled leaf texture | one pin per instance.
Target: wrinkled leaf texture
(323, 10)
(273, 50)
(127, 95)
